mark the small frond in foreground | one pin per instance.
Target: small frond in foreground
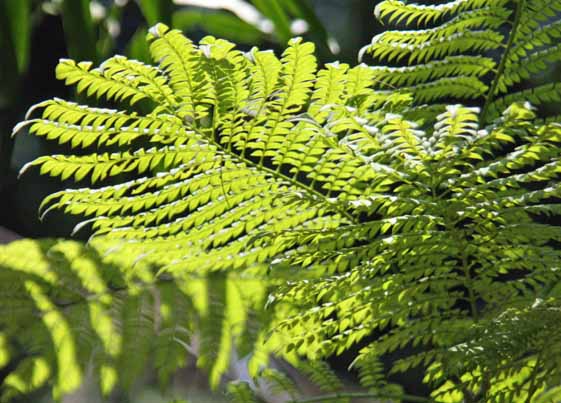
(67, 313)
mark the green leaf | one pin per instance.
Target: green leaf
(549, 396)
(157, 11)
(31, 374)
(69, 371)
(15, 22)
(221, 24)
(302, 9)
(137, 48)
(274, 10)
(215, 332)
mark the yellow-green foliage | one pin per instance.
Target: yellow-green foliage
(450, 252)
(70, 311)
(366, 200)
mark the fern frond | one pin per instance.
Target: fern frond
(322, 375)
(432, 49)
(278, 383)
(181, 61)
(241, 392)
(539, 95)
(214, 329)
(371, 371)
(217, 157)
(175, 331)
(396, 10)
(381, 263)
(95, 315)
(452, 32)
(469, 66)
(110, 84)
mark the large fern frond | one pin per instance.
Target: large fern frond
(432, 261)
(219, 167)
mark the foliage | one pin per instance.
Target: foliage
(394, 211)
(96, 317)
(458, 50)
(91, 28)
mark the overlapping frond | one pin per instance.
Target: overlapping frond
(67, 313)
(496, 45)
(521, 353)
(456, 227)
(232, 146)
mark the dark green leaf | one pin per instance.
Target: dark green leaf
(221, 24)
(274, 10)
(79, 30)
(301, 9)
(137, 47)
(16, 29)
(157, 11)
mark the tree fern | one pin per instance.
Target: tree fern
(369, 202)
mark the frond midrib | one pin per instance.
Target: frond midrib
(490, 97)
(279, 175)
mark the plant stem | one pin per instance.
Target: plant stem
(502, 65)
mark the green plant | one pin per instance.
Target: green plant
(367, 200)
(465, 55)
(74, 313)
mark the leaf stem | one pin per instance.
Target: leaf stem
(502, 65)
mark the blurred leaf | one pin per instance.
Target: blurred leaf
(301, 9)
(273, 10)
(550, 396)
(108, 30)
(137, 47)
(215, 346)
(221, 24)
(16, 28)
(79, 30)
(157, 11)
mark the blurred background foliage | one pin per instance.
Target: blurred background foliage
(35, 34)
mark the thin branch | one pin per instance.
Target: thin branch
(500, 70)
